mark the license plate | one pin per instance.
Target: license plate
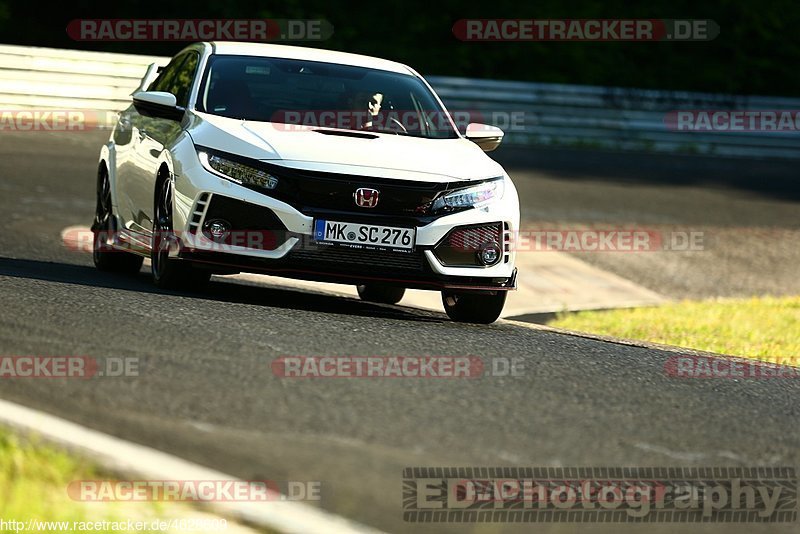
(364, 235)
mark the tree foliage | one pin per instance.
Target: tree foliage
(756, 52)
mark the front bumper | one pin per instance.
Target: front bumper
(289, 249)
(345, 273)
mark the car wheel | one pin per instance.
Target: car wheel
(105, 257)
(478, 307)
(381, 293)
(169, 273)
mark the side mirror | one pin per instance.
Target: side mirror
(485, 136)
(158, 104)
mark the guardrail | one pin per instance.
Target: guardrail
(34, 78)
(618, 118)
(542, 113)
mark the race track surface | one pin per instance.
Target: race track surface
(207, 391)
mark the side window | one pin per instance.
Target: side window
(181, 84)
(164, 79)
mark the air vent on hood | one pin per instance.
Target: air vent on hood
(347, 133)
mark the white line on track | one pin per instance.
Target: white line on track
(137, 460)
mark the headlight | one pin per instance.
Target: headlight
(472, 197)
(237, 172)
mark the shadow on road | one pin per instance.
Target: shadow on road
(216, 290)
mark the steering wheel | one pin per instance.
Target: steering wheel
(400, 124)
(390, 121)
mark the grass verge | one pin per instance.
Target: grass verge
(765, 328)
(34, 478)
(33, 487)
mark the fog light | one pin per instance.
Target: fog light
(490, 253)
(217, 229)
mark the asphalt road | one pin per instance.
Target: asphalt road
(207, 392)
(747, 212)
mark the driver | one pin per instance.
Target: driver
(374, 110)
(380, 114)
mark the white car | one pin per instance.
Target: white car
(309, 164)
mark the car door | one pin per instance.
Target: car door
(152, 135)
(127, 139)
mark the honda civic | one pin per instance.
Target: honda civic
(308, 164)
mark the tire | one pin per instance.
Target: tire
(380, 293)
(169, 273)
(106, 258)
(478, 307)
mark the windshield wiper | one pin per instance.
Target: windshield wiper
(347, 133)
(383, 130)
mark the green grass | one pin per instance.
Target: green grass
(34, 480)
(765, 328)
(33, 485)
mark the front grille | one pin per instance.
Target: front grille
(461, 245)
(326, 191)
(336, 256)
(471, 239)
(312, 191)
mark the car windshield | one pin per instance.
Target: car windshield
(297, 94)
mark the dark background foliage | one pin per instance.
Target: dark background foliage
(757, 51)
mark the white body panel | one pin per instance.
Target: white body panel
(140, 146)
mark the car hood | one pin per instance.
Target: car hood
(384, 155)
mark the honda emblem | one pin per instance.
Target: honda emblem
(366, 197)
